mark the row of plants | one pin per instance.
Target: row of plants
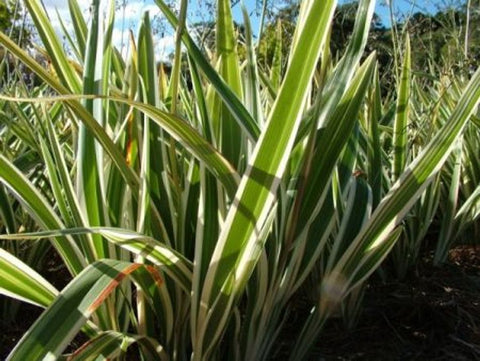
(194, 208)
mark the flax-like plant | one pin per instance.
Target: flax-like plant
(192, 208)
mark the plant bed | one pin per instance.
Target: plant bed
(434, 314)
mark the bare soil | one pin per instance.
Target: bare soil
(432, 315)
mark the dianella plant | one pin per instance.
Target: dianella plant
(194, 208)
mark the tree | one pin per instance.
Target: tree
(441, 39)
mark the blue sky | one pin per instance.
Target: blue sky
(135, 8)
(406, 7)
(401, 7)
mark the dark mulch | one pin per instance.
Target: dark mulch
(433, 315)
(11, 332)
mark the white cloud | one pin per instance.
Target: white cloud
(163, 45)
(133, 11)
(130, 17)
(126, 18)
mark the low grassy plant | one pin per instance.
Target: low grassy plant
(192, 217)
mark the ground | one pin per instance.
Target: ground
(432, 315)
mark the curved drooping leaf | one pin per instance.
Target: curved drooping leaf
(19, 281)
(71, 309)
(100, 135)
(177, 127)
(172, 263)
(105, 346)
(111, 344)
